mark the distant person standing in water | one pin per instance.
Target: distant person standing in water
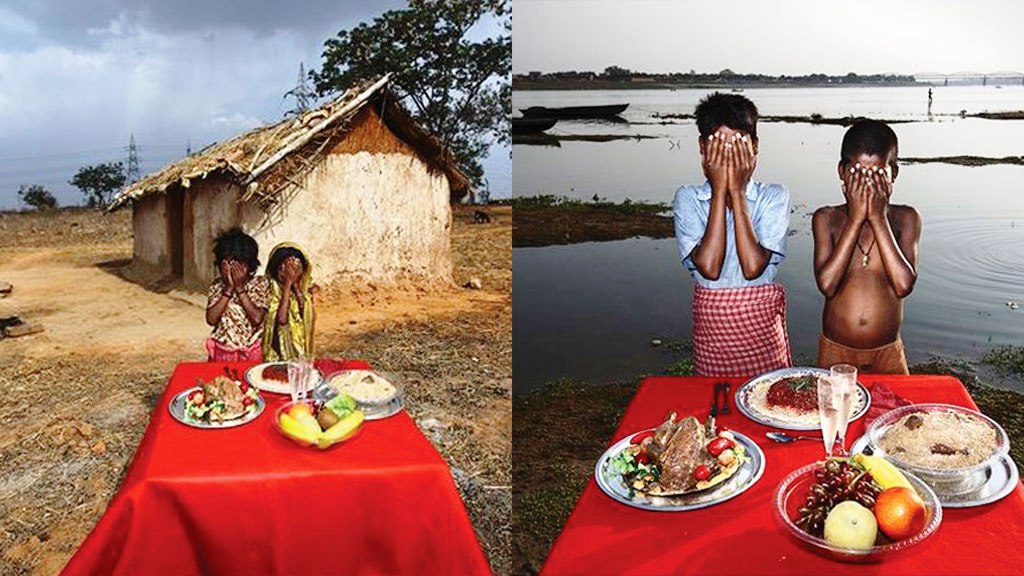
(929, 101)
(731, 233)
(865, 256)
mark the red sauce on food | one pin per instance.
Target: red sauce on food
(797, 393)
(276, 372)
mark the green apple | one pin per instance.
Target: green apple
(852, 526)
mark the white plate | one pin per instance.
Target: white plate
(1002, 478)
(177, 409)
(861, 406)
(611, 483)
(254, 376)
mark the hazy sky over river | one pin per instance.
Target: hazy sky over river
(792, 37)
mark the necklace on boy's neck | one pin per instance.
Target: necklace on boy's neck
(864, 258)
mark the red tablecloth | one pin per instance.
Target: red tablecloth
(247, 500)
(741, 536)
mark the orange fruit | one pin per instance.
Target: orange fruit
(900, 512)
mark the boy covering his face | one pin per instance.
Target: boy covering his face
(865, 256)
(731, 233)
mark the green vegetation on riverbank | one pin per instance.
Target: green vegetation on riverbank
(545, 139)
(553, 220)
(808, 119)
(1017, 115)
(966, 160)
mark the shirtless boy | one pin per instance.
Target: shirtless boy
(865, 256)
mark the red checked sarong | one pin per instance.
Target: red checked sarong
(740, 331)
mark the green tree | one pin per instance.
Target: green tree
(458, 89)
(99, 182)
(37, 197)
(618, 72)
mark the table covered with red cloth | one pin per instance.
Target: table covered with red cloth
(247, 500)
(741, 535)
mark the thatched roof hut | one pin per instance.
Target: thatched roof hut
(358, 183)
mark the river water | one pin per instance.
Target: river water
(589, 311)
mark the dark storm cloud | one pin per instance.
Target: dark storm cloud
(79, 78)
(83, 21)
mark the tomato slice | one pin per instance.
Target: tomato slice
(702, 472)
(719, 445)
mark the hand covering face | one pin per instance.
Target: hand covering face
(294, 339)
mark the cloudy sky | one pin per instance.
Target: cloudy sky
(790, 37)
(79, 77)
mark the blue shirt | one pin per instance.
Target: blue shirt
(768, 206)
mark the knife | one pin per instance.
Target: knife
(725, 398)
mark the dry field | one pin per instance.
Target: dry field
(75, 399)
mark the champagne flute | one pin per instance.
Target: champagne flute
(300, 375)
(827, 413)
(846, 375)
(835, 403)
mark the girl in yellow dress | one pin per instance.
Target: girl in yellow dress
(288, 333)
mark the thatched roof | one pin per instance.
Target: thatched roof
(271, 159)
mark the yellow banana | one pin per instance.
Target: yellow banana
(308, 422)
(342, 429)
(884, 473)
(294, 428)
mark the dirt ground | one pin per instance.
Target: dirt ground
(109, 345)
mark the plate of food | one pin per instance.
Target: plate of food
(379, 395)
(960, 453)
(273, 377)
(219, 403)
(678, 466)
(788, 399)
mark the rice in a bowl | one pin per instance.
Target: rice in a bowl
(364, 387)
(939, 439)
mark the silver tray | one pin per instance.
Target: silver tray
(610, 481)
(1002, 478)
(274, 387)
(743, 403)
(177, 409)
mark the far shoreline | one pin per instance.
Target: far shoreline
(600, 86)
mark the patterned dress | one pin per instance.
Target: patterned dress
(234, 331)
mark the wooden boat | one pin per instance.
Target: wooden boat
(575, 111)
(532, 125)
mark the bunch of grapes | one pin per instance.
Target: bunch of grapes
(836, 480)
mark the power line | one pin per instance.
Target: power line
(10, 169)
(70, 153)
